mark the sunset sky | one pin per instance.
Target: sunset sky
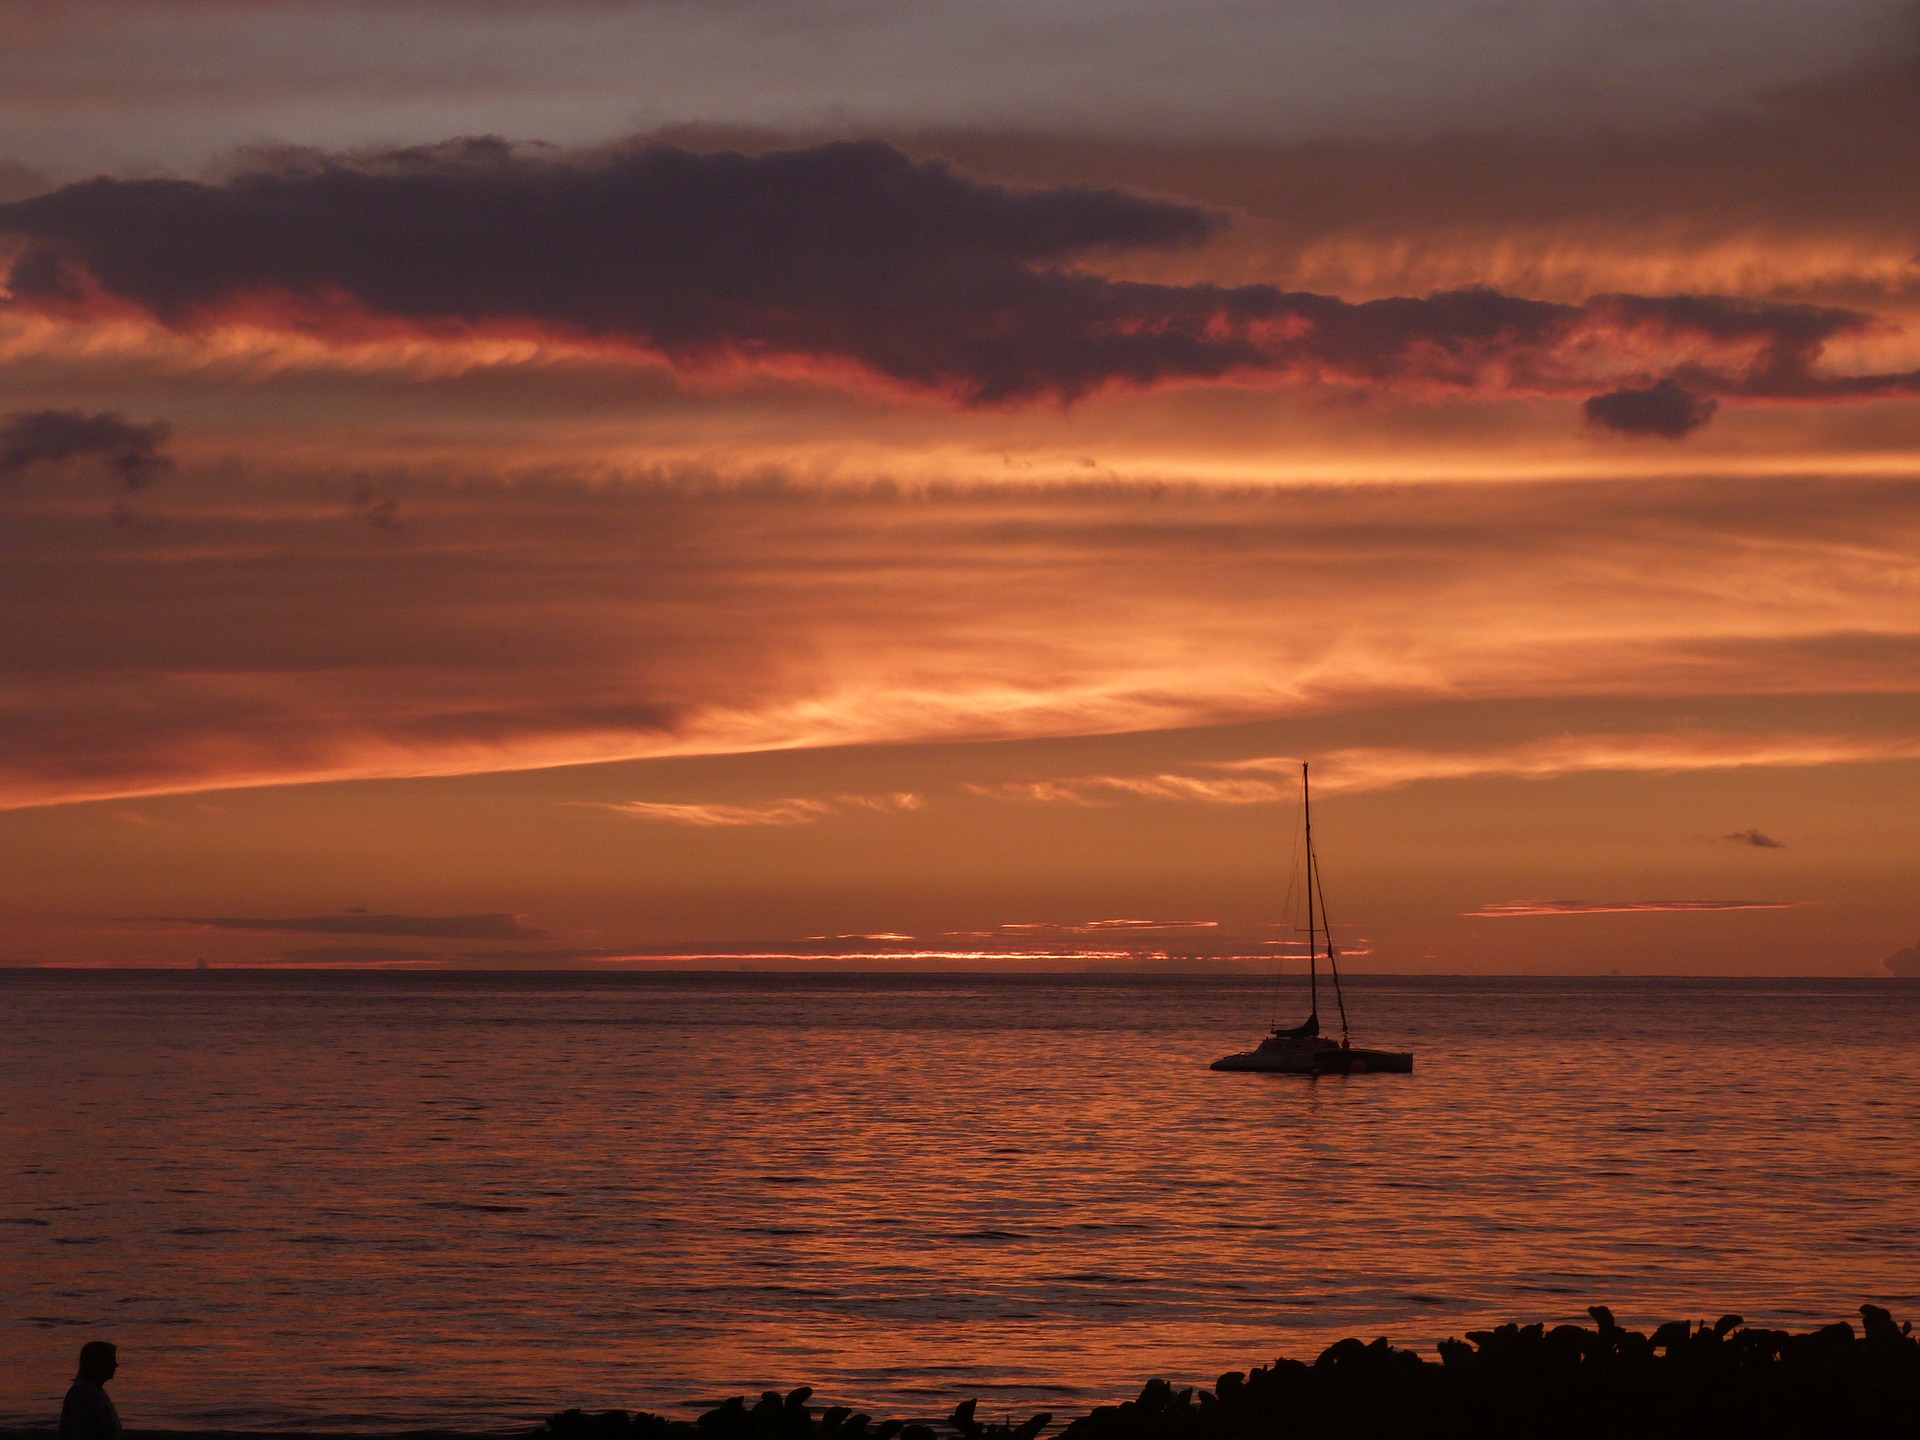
(599, 482)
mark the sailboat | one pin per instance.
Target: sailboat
(1301, 1049)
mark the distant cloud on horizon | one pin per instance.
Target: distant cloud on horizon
(1512, 909)
(372, 957)
(1758, 839)
(1905, 964)
(496, 925)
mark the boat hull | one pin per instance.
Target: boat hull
(1332, 1060)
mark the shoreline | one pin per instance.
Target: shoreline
(518, 1432)
(1685, 1378)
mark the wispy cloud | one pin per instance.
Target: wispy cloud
(1113, 929)
(1547, 758)
(1512, 909)
(1358, 770)
(1758, 839)
(796, 811)
(1106, 789)
(726, 620)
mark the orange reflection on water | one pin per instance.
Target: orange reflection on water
(466, 1201)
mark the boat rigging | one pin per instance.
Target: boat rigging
(1301, 1049)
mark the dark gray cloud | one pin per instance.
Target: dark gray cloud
(840, 252)
(1667, 409)
(1756, 838)
(841, 256)
(130, 452)
(492, 926)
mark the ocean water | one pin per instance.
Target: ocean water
(387, 1201)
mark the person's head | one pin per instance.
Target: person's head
(98, 1361)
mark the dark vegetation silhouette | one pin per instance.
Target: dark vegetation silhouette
(1720, 1379)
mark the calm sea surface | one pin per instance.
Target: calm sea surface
(387, 1201)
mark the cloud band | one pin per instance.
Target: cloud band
(853, 259)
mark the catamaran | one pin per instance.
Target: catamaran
(1301, 1049)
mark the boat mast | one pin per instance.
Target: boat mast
(1313, 961)
(1339, 995)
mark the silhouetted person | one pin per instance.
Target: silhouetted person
(88, 1414)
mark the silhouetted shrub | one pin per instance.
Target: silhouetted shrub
(1719, 1379)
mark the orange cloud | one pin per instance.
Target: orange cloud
(801, 811)
(1107, 927)
(549, 623)
(1356, 770)
(1104, 789)
(1360, 770)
